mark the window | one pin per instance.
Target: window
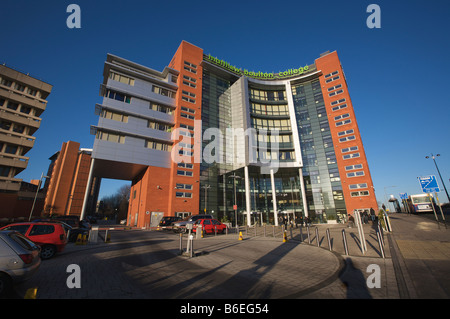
(186, 109)
(159, 126)
(183, 194)
(4, 171)
(332, 79)
(191, 67)
(355, 174)
(42, 230)
(360, 193)
(189, 127)
(158, 146)
(347, 138)
(185, 173)
(343, 122)
(187, 116)
(163, 91)
(348, 156)
(188, 93)
(343, 133)
(160, 108)
(111, 137)
(184, 186)
(12, 105)
(186, 165)
(334, 87)
(331, 74)
(19, 87)
(192, 85)
(340, 117)
(357, 186)
(118, 96)
(352, 167)
(343, 106)
(335, 93)
(267, 95)
(187, 99)
(11, 149)
(338, 101)
(189, 78)
(121, 78)
(114, 116)
(6, 82)
(349, 149)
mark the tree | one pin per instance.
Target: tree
(116, 205)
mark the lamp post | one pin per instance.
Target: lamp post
(433, 157)
(385, 196)
(35, 196)
(234, 177)
(206, 187)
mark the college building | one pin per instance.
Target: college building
(204, 135)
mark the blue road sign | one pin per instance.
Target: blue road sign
(403, 196)
(429, 184)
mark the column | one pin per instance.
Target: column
(86, 193)
(274, 197)
(247, 195)
(302, 187)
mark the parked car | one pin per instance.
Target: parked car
(50, 236)
(19, 259)
(166, 222)
(180, 226)
(210, 226)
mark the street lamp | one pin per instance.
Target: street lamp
(385, 196)
(35, 196)
(433, 157)
(206, 187)
(234, 177)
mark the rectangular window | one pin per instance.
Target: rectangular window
(185, 173)
(349, 156)
(163, 91)
(339, 107)
(357, 186)
(332, 79)
(111, 137)
(338, 101)
(121, 78)
(158, 146)
(349, 149)
(360, 193)
(186, 109)
(118, 96)
(347, 138)
(189, 78)
(184, 186)
(334, 87)
(343, 133)
(160, 108)
(187, 99)
(335, 93)
(343, 122)
(183, 195)
(355, 174)
(186, 165)
(187, 116)
(188, 93)
(331, 74)
(352, 167)
(340, 117)
(192, 85)
(114, 116)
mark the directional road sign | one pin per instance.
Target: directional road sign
(429, 184)
(403, 196)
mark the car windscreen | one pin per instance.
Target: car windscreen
(19, 228)
(23, 241)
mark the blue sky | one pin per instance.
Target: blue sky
(397, 75)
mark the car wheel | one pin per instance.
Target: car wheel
(5, 284)
(48, 251)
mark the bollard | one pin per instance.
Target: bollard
(79, 239)
(317, 237)
(380, 230)
(328, 238)
(301, 233)
(264, 230)
(290, 230)
(345, 241)
(107, 237)
(84, 239)
(309, 237)
(181, 243)
(255, 229)
(285, 237)
(273, 231)
(380, 244)
(240, 236)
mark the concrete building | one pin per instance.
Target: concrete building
(22, 101)
(206, 136)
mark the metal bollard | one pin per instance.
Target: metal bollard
(181, 243)
(317, 237)
(255, 229)
(215, 230)
(309, 237)
(264, 230)
(301, 233)
(273, 231)
(290, 230)
(328, 238)
(344, 238)
(380, 244)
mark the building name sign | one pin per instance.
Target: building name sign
(258, 75)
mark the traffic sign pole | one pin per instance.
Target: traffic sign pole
(442, 214)
(434, 210)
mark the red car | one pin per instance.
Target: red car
(51, 237)
(210, 226)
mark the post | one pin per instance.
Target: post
(301, 233)
(317, 237)
(328, 238)
(309, 237)
(434, 210)
(344, 238)
(302, 186)
(380, 244)
(181, 242)
(247, 195)
(442, 214)
(273, 231)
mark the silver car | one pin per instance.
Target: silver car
(180, 226)
(19, 259)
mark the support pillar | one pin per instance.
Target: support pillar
(274, 197)
(303, 190)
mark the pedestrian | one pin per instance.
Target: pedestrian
(366, 217)
(351, 221)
